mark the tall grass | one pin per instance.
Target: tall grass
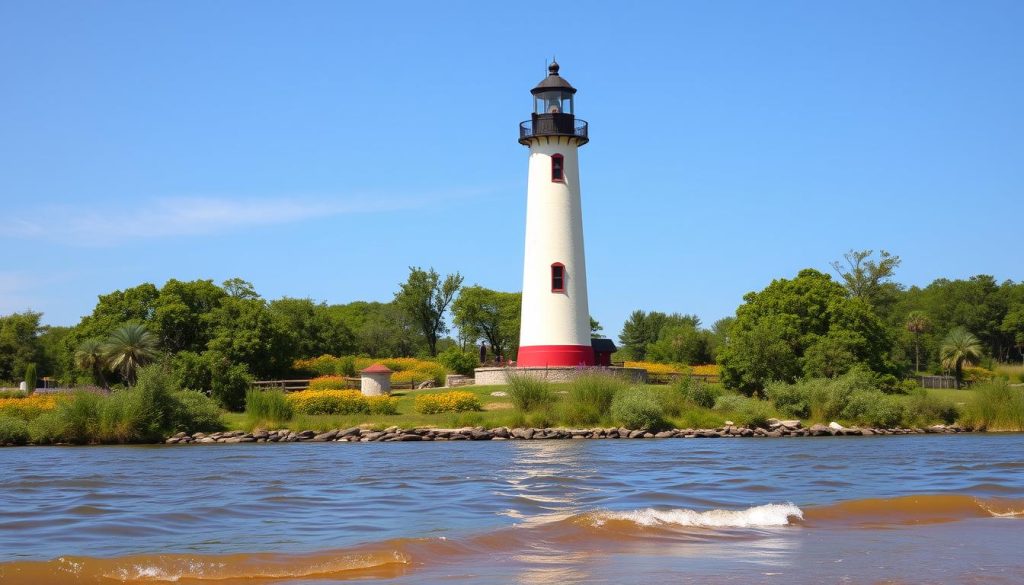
(997, 406)
(528, 393)
(268, 406)
(590, 396)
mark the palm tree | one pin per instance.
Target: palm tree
(918, 323)
(960, 348)
(90, 357)
(129, 347)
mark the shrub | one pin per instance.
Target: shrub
(12, 393)
(923, 408)
(229, 382)
(791, 399)
(458, 361)
(121, 418)
(638, 409)
(730, 402)
(79, 417)
(329, 402)
(754, 413)
(528, 393)
(197, 412)
(46, 429)
(697, 392)
(453, 401)
(978, 375)
(386, 405)
(145, 413)
(996, 406)
(327, 383)
(874, 408)
(271, 406)
(191, 371)
(590, 397)
(13, 431)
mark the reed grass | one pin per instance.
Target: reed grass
(997, 406)
(269, 407)
(528, 393)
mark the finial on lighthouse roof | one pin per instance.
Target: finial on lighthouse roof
(553, 81)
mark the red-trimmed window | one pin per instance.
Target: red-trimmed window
(557, 277)
(557, 168)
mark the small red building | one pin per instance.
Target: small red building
(603, 350)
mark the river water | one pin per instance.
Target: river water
(895, 509)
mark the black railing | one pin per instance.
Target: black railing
(554, 125)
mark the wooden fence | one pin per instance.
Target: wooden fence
(349, 383)
(938, 381)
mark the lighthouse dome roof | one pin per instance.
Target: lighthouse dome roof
(553, 81)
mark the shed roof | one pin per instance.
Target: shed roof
(603, 344)
(376, 369)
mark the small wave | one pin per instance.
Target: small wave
(918, 509)
(764, 516)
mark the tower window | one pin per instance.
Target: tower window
(557, 277)
(557, 168)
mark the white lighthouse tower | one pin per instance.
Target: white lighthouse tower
(555, 329)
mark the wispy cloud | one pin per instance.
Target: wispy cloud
(196, 216)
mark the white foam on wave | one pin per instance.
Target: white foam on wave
(755, 517)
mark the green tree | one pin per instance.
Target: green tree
(960, 348)
(1013, 327)
(774, 328)
(424, 297)
(31, 378)
(681, 341)
(918, 324)
(181, 315)
(56, 359)
(245, 331)
(91, 357)
(317, 330)
(595, 328)
(642, 329)
(128, 348)
(482, 313)
(870, 279)
(19, 343)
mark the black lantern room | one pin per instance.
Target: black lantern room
(553, 113)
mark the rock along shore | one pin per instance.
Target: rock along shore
(786, 428)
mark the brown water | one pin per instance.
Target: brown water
(913, 509)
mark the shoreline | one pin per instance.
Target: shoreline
(397, 434)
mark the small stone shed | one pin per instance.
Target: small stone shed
(375, 380)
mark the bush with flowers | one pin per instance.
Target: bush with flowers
(341, 402)
(453, 401)
(29, 407)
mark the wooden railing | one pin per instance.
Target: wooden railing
(350, 383)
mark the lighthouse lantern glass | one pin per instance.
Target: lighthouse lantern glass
(553, 102)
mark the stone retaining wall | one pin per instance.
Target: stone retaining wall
(396, 434)
(498, 376)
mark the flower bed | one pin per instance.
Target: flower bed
(454, 401)
(341, 402)
(29, 407)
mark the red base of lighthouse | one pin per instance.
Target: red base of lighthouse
(539, 356)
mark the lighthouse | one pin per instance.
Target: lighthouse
(555, 328)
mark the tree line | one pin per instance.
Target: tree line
(817, 326)
(810, 325)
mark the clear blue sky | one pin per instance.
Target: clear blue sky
(319, 149)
